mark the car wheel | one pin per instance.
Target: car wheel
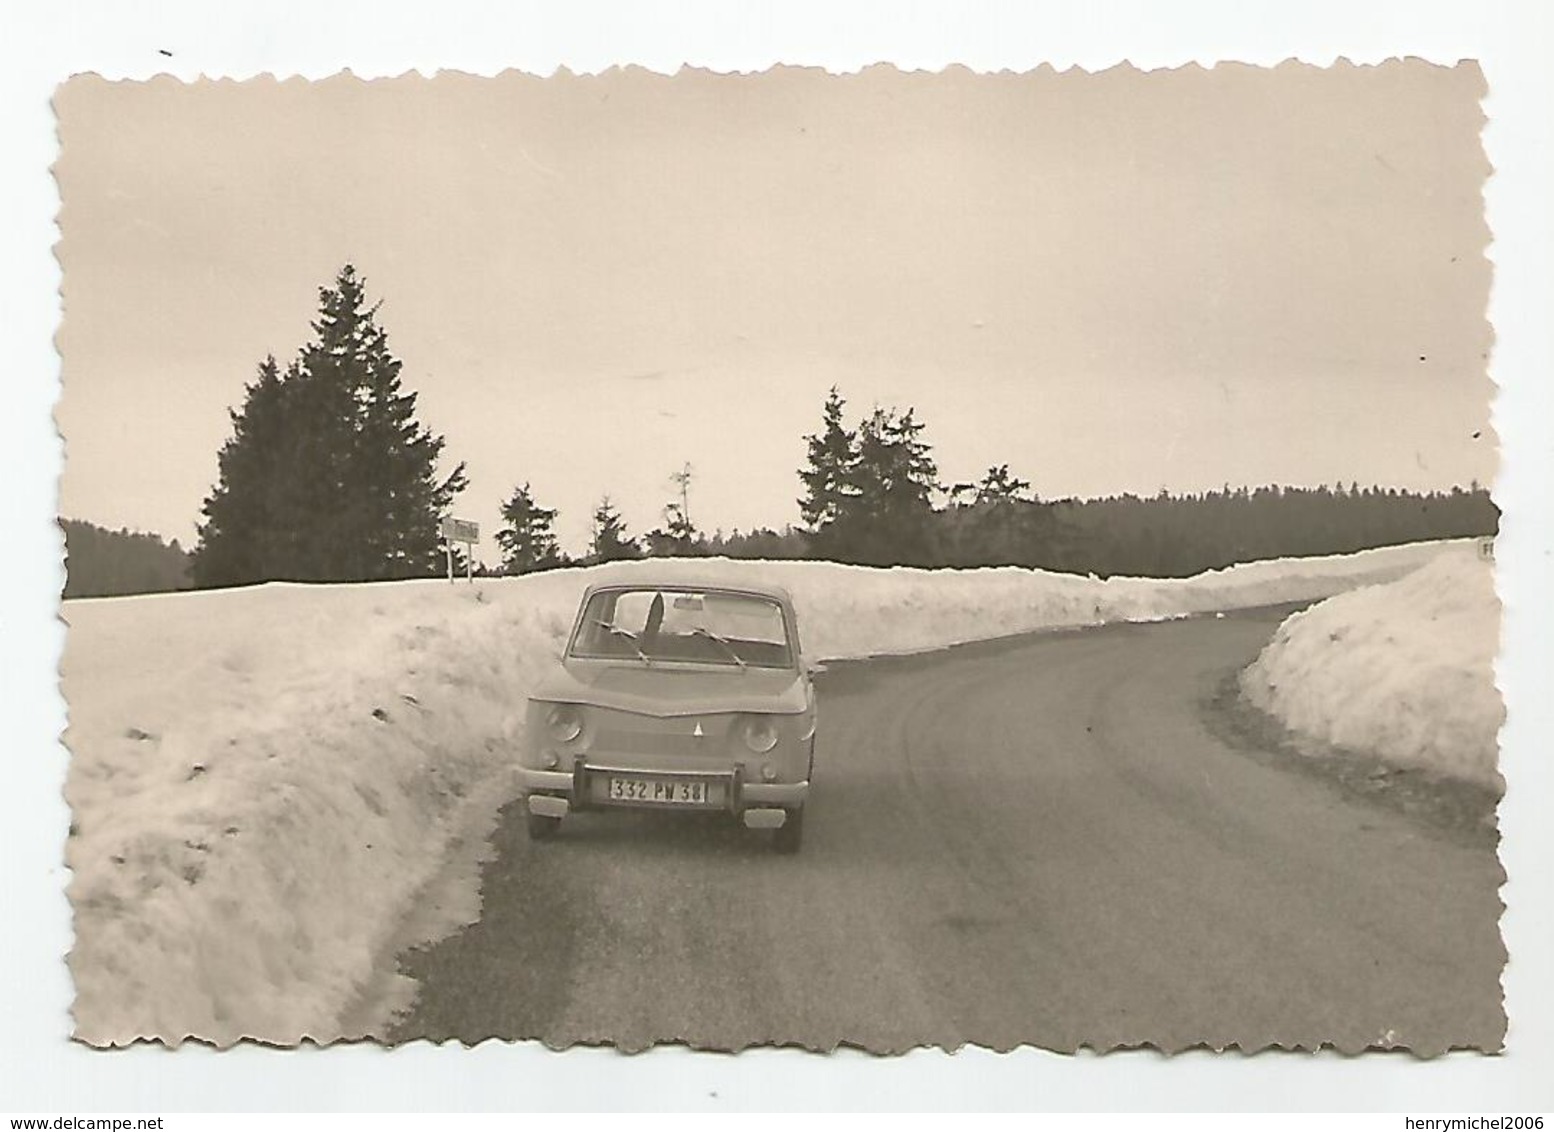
(790, 834)
(542, 827)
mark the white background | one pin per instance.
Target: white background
(40, 1070)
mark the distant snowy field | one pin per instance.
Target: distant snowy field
(1403, 670)
(267, 783)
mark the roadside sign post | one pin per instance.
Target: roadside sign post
(460, 530)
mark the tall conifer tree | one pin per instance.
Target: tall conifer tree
(611, 540)
(829, 491)
(528, 536)
(894, 477)
(328, 476)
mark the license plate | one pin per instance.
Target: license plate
(660, 791)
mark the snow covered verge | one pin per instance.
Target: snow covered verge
(266, 782)
(1402, 670)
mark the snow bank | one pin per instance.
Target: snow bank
(1403, 670)
(264, 781)
(261, 780)
(859, 611)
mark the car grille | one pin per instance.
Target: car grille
(646, 735)
(654, 743)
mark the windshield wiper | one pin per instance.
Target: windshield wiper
(617, 631)
(702, 631)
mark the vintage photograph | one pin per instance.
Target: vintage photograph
(883, 560)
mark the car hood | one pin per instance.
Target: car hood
(668, 690)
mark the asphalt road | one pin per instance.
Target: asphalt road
(1035, 841)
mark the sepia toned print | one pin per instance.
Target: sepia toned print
(880, 560)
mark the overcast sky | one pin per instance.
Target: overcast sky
(1112, 283)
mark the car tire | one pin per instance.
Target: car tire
(789, 836)
(542, 827)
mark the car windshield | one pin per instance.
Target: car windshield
(733, 629)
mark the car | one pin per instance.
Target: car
(675, 696)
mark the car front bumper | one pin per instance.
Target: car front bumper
(555, 793)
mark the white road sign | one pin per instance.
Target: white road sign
(460, 530)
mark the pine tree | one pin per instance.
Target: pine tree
(328, 476)
(528, 537)
(829, 492)
(610, 540)
(676, 538)
(993, 522)
(678, 526)
(894, 478)
(241, 539)
(384, 496)
(999, 487)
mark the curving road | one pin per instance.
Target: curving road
(1037, 840)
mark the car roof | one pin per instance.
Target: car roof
(696, 585)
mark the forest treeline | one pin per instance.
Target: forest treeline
(1167, 535)
(104, 563)
(328, 476)
(871, 495)
(1171, 536)
(1158, 536)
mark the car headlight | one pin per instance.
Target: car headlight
(564, 723)
(760, 733)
